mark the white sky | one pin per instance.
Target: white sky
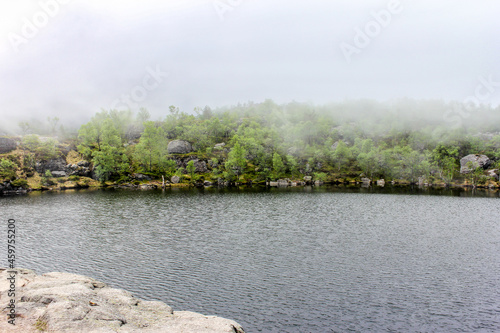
(218, 52)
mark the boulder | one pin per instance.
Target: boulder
(7, 145)
(283, 182)
(56, 164)
(219, 146)
(83, 163)
(63, 302)
(78, 169)
(493, 173)
(201, 166)
(477, 161)
(140, 176)
(59, 173)
(179, 147)
(175, 179)
(381, 182)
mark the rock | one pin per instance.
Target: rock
(147, 187)
(83, 163)
(179, 147)
(273, 183)
(201, 166)
(140, 176)
(334, 146)
(56, 164)
(476, 160)
(59, 174)
(207, 183)
(307, 178)
(7, 145)
(493, 173)
(63, 302)
(283, 182)
(219, 146)
(366, 180)
(318, 183)
(175, 179)
(381, 182)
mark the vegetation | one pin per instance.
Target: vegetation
(267, 141)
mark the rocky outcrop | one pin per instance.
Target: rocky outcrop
(63, 302)
(7, 145)
(476, 161)
(6, 188)
(201, 166)
(179, 147)
(56, 164)
(82, 168)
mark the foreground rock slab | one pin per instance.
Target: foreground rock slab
(63, 302)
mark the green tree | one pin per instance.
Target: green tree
(278, 166)
(292, 165)
(236, 162)
(190, 168)
(146, 151)
(341, 155)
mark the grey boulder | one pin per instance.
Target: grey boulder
(475, 161)
(179, 147)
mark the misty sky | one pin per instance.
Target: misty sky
(75, 57)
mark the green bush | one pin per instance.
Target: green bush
(7, 168)
(74, 178)
(20, 183)
(321, 176)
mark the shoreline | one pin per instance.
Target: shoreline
(64, 302)
(155, 185)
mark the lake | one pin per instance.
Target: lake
(281, 260)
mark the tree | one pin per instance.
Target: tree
(25, 127)
(292, 165)
(146, 151)
(190, 168)
(53, 124)
(236, 162)
(341, 155)
(278, 166)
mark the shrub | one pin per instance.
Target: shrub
(20, 183)
(321, 176)
(7, 168)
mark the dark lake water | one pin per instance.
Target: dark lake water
(291, 260)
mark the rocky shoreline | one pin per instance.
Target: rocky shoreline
(64, 302)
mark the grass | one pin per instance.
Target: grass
(41, 324)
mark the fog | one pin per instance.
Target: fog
(73, 58)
